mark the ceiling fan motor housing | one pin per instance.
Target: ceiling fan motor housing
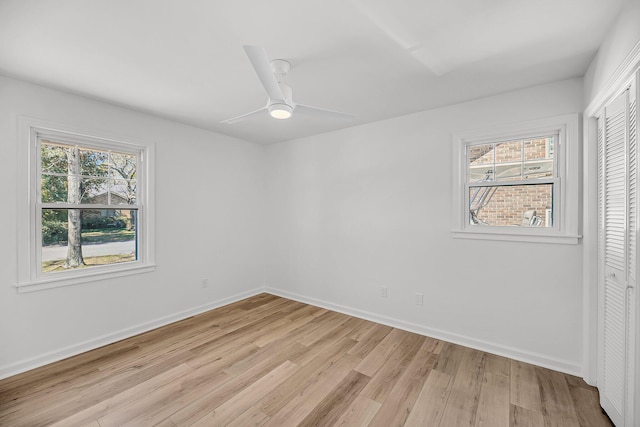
(288, 96)
(280, 68)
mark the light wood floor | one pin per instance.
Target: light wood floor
(275, 362)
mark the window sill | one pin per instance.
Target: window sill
(57, 282)
(519, 236)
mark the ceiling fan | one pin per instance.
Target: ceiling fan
(280, 103)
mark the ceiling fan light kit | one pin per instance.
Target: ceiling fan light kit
(280, 111)
(280, 104)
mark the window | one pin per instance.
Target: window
(88, 209)
(513, 183)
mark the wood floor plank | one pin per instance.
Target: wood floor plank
(240, 402)
(199, 407)
(122, 399)
(271, 361)
(386, 377)
(303, 403)
(557, 404)
(328, 341)
(430, 403)
(396, 407)
(361, 332)
(463, 400)
(192, 386)
(498, 365)
(336, 320)
(278, 333)
(525, 389)
(158, 409)
(523, 417)
(493, 403)
(587, 405)
(165, 423)
(329, 410)
(251, 417)
(379, 355)
(450, 358)
(289, 350)
(369, 341)
(80, 395)
(359, 413)
(311, 373)
(137, 406)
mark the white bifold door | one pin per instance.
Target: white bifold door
(618, 256)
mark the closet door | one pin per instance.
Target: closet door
(618, 221)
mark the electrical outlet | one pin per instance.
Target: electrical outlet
(383, 292)
(419, 299)
(204, 283)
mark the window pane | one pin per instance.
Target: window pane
(123, 192)
(123, 166)
(481, 162)
(103, 237)
(95, 191)
(538, 148)
(538, 169)
(94, 163)
(509, 152)
(53, 158)
(53, 188)
(513, 205)
(509, 172)
(481, 154)
(538, 155)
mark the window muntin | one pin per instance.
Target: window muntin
(511, 182)
(87, 211)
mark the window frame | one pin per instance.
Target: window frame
(565, 181)
(30, 275)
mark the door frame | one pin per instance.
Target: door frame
(628, 70)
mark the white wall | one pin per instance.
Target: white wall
(370, 206)
(209, 198)
(623, 36)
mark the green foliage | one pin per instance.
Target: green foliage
(103, 222)
(54, 232)
(53, 159)
(54, 215)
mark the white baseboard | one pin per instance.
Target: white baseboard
(500, 350)
(63, 353)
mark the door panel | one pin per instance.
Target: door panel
(616, 215)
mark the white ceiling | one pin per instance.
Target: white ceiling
(372, 58)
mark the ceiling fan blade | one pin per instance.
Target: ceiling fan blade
(243, 117)
(262, 66)
(315, 111)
